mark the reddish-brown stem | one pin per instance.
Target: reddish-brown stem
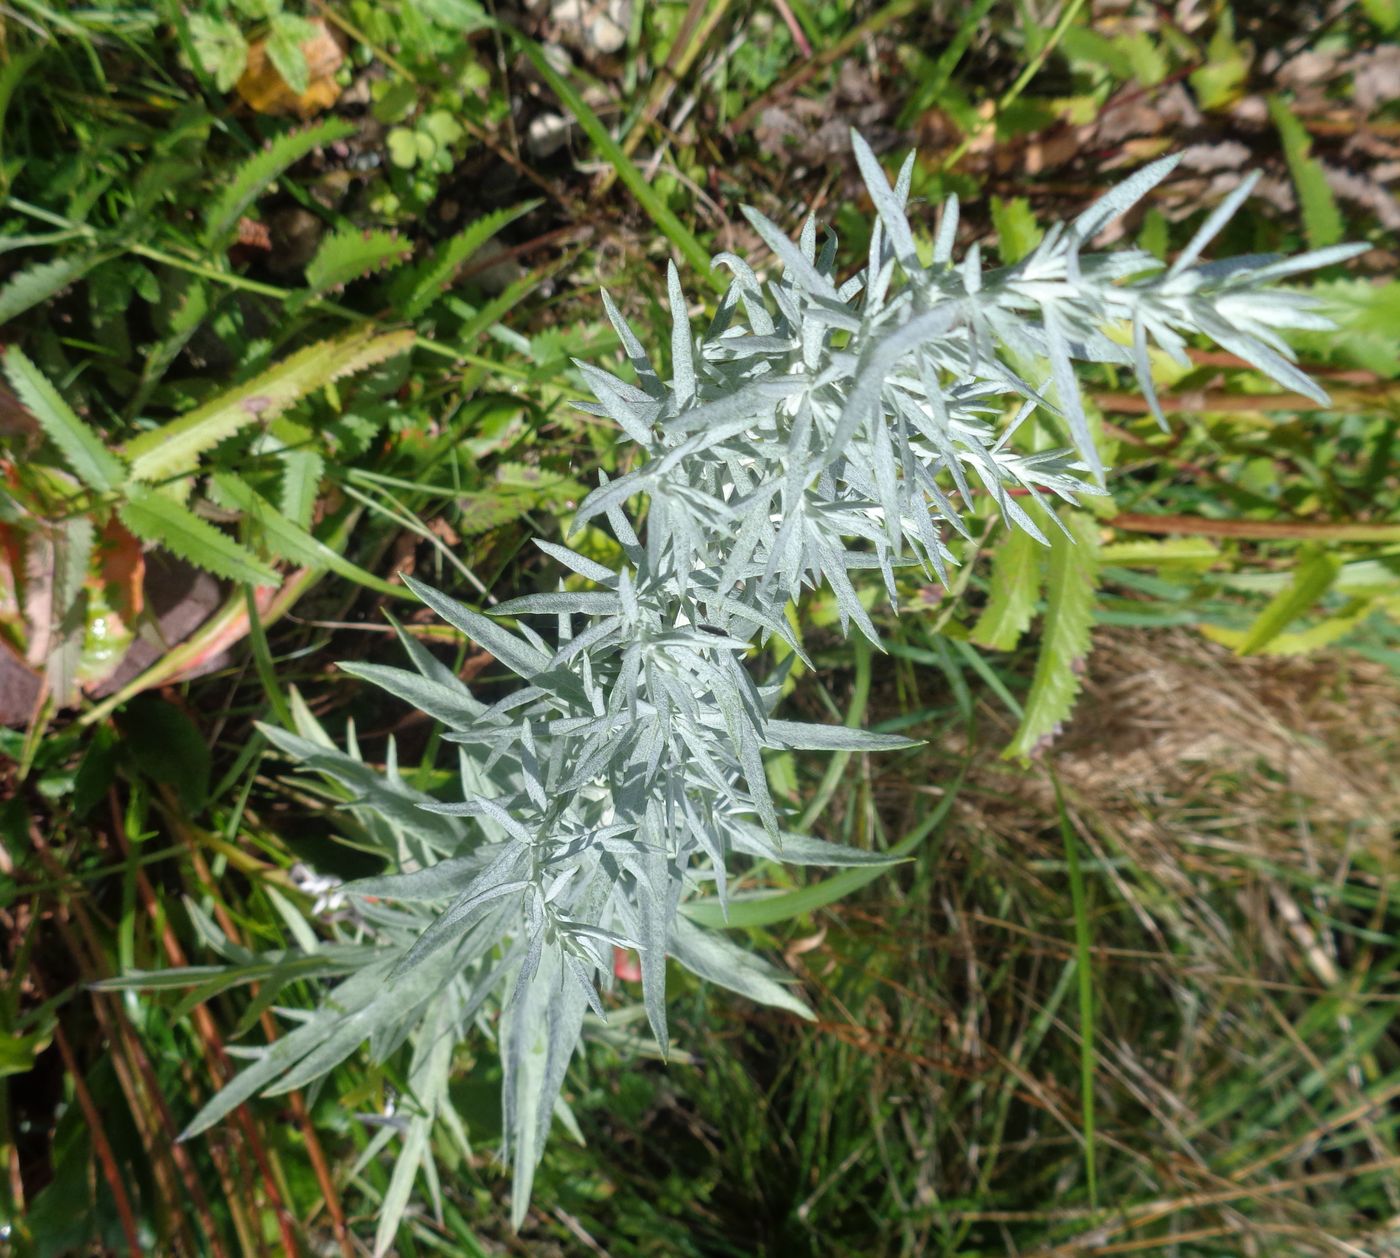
(319, 1164)
(1257, 530)
(149, 1108)
(100, 1144)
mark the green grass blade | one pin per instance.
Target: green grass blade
(1085, 975)
(674, 230)
(1311, 580)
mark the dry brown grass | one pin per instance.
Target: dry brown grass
(1237, 821)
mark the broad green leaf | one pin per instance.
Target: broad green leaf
(1016, 578)
(1367, 335)
(1084, 44)
(168, 747)
(1311, 580)
(290, 541)
(252, 178)
(220, 47)
(1065, 637)
(174, 447)
(1384, 14)
(1303, 641)
(17, 1052)
(1321, 219)
(155, 517)
(83, 450)
(348, 255)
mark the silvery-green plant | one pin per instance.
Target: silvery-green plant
(814, 429)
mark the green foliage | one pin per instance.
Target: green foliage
(417, 289)
(1221, 80)
(28, 288)
(158, 518)
(1321, 219)
(1015, 587)
(349, 255)
(221, 45)
(1017, 231)
(251, 179)
(129, 320)
(1065, 639)
(174, 448)
(82, 449)
(625, 776)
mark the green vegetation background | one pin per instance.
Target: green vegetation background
(289, 298)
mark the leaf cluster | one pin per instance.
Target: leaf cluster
(814, 429)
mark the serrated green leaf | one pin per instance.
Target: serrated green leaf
(27, 288)
(350, 254)
(1016, 578)
(70, 553)
(1220, 82)
(290, 541)
(1065, 641)
(1367, 335)
(416, 290)
(302, 470)
(252, 178)
(174, 448)
(1188, 552)
(1311, 580)
(1017, 231)
(1322, 221)
(93, 464)
(154, 517)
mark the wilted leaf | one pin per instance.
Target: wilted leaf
(293, 70)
